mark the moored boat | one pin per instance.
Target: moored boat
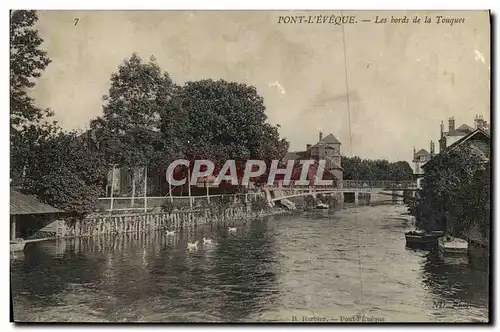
(421, 237)
(449, 245)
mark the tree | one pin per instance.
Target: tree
(130, 126)
(454, 191)
(28, 123)
(129, 130)
(220, 120)
(356, 168)
(69, 173)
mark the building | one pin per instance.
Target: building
(455, 134)
(328, 149)
(478, 139)
(28, 215)
(419, 159)
(450, 139)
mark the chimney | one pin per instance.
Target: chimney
(308, 147)
(478, 122)
(320, 136)
(442, 129)
(451, 124)
(432, 148)
(414, 152)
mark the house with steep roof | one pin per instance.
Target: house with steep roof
(453, 134)
(328, 149)
(478, 139)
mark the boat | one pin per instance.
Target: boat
(17, 245)
(322, 206)
(422, 237)
(449, 245)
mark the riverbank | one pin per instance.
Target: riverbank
(106, 224)
(271, 269)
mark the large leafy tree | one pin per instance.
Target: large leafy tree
(69, 173)
(129, 129)
(220, 120)
(29, 124)
(455, 192)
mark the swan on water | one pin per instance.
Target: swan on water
(207, 241)
(192, 246)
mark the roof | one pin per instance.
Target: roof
(469, 136)
(422, 152)
(330, 139)
(463, 140)
(28, 204)
(295, 155)
(457, 133)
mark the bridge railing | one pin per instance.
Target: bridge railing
(349, 184)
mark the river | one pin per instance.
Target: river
(338, 267)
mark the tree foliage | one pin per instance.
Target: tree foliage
(28, 123)
(219, 121)
(356, 168)
(129, 130)
(69, 173)
(222, 120)
(61, 169)
(455, 192)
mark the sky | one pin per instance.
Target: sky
(402, 79)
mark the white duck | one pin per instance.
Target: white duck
(207, 241)
(170, 233)
(232, 229)
(192, 246)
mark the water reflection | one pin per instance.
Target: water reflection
(350, 262)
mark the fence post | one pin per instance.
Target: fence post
(112, 189)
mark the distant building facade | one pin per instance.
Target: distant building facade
(328, 149)
(478, 135)
(420, 158)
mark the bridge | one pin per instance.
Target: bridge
(281, 191)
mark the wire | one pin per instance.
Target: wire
(348, 99)
(350, 152)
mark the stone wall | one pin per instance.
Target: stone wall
(105, 224)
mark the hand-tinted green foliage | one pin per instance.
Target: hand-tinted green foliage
(455, 192)
(28, 123)
(356, 168)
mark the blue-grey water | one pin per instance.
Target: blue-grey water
(288, 268)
